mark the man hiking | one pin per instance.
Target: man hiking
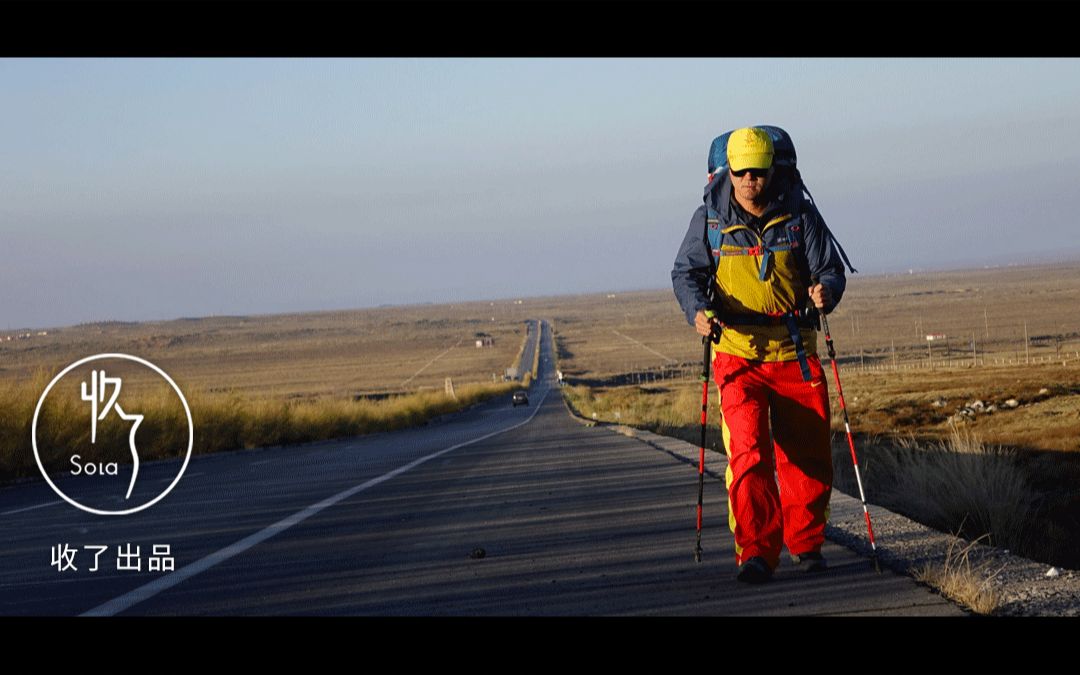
(768, 254)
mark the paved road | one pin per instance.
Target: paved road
(573, 520)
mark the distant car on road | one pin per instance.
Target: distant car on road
(520, 398)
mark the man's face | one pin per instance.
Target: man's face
(751, 184)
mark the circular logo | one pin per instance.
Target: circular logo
(97, 438)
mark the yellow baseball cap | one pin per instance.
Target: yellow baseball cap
(749, 148)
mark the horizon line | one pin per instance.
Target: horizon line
(510, 298)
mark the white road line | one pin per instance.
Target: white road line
(28, 508)
(431, 362)
(642, 345)
(147, 591)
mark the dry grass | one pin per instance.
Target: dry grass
(877, 315)
(296, 356)
(957, 578)
(340, 353)
(259, 380)
(222, 421)
(959, 484)
(674, 411)
(903, 402)
(642, 338)
(536, 352)
(516, 365)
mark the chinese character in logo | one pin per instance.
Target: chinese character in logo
(63, 557)
(96, 395)
(100, 550)
(126, 561)
(162, 560)
(103, 394)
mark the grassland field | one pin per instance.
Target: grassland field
(636, 352)
(288, 356)
(264, 380)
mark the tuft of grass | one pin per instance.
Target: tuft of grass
(957, 578)
(16, 419)
(958, 483)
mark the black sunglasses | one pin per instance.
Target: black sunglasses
(756, 173)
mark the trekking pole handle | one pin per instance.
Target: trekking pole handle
(814, 281)
(714, 335)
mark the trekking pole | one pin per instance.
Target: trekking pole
(707, 341)
(847, 427)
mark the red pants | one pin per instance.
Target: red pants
(761, 516)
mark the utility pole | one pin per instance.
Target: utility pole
(986, 321)
(894, 353)
(974, 354)
(1027, 357)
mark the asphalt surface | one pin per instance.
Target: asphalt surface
(495, 511)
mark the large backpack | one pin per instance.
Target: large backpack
(785, 161)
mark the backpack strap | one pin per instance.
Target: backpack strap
(800, 348)
(712, 229)
(828, 232)
(798, 244)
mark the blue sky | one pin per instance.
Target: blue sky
(138, 189)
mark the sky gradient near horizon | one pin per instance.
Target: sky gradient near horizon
(143, 189)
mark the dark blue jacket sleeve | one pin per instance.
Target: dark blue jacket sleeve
(694, 272)
(823, 259)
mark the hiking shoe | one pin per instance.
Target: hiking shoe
(811, 561)
(754, 571)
